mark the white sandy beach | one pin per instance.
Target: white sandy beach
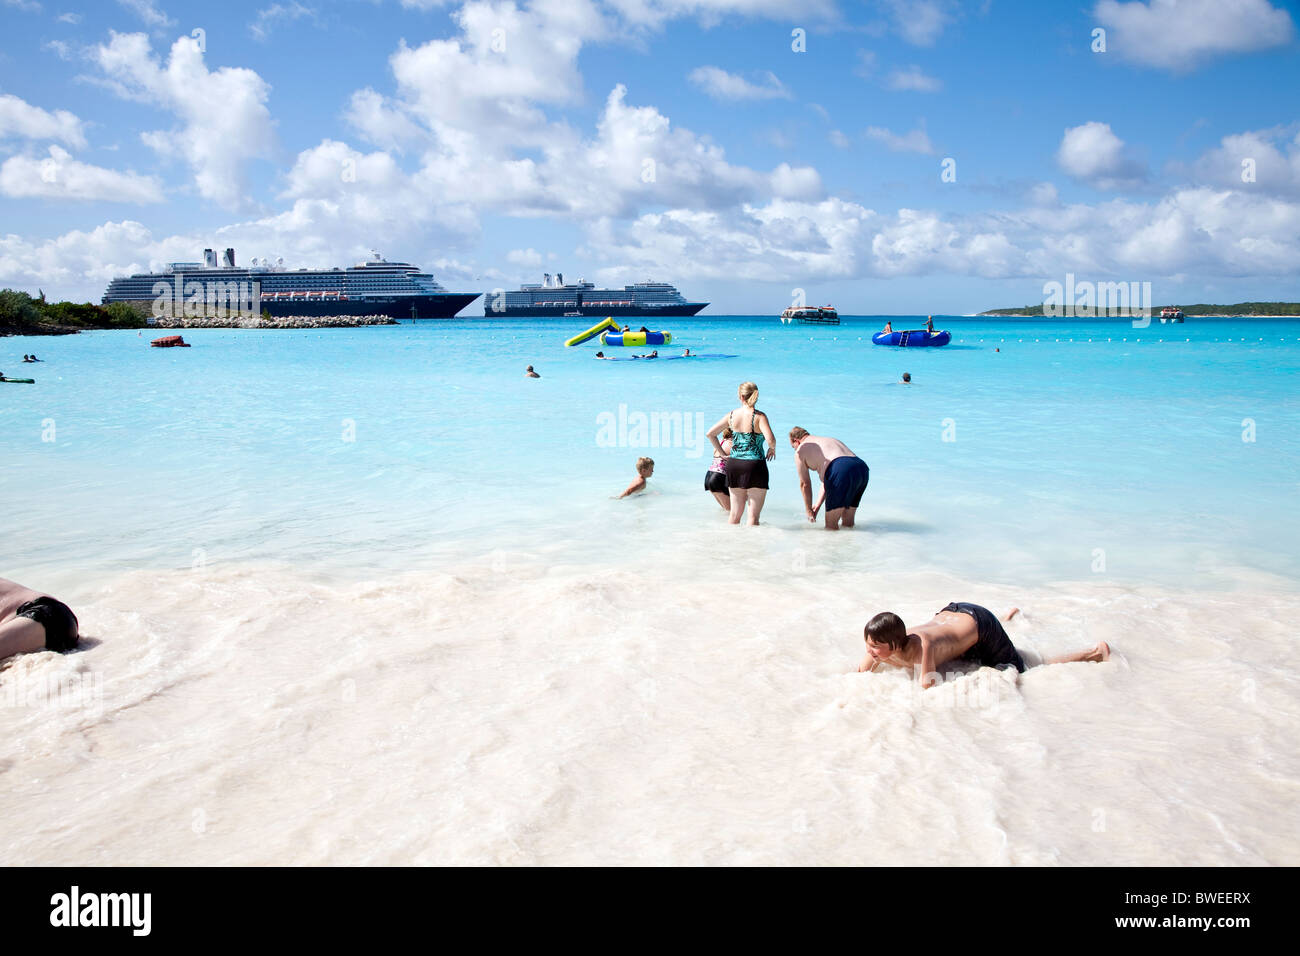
(525, 714)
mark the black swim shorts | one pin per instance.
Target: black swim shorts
(992, 648)
(61, 629)
(715, 481)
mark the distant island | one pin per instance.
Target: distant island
(1246, 309)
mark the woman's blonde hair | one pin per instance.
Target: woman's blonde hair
(749, 393)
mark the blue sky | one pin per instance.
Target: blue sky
(682, 140)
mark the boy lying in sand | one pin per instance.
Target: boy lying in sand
(964, 632)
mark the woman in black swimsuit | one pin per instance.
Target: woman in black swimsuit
(747, 463)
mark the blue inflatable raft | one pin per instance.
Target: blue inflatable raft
(912, 338)
(636, 338)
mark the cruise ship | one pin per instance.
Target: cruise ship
(553, 297)
(375, 287)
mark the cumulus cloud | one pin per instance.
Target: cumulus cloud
(20, 118)
(914, 79)
(721, 85)
(916, 141)
(1093, 154)
(59, 176)
(1220, 233)
(524, 257)
(223, 117)
(1183, 34)
(148, 11)
(1262, 161)
(919, 22)
(268, 18)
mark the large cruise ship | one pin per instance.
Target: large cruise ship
(375, 287)
(552, 297)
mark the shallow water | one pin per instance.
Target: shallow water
(364, 596)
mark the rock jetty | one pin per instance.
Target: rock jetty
(274, 322)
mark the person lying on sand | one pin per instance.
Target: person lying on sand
(960, 632)
(32, 621)
(645, 468)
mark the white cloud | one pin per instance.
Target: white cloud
(838, 139)
(865, 66)
(721, 85)
(223, 114)
(530, 257)
(913, 78)
(1218, 233)
(1044, 194)
(59, 176)
(1183, 34)
(59, 49)
(20, 118)
(916, 141)
(919, 22)
(654, 13)
(28, 6)
(1267, 156)
(148, 11)
(269, 17)
(73, 18)
(1093, 154)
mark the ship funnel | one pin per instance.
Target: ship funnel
(559, 278)
(230, 258)
(210, 258)
(546, 280)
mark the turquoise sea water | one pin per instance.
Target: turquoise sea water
(1079, 450)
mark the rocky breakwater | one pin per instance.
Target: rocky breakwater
(273, 322)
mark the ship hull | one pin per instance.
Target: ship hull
(395, 307)
(593, 311)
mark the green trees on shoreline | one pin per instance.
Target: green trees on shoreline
(21, 314)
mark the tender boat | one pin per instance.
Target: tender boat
(811, 315)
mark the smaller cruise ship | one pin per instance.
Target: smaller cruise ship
(1171, 314)
(811, 315)
(555, 298)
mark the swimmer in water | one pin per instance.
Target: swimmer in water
(907, 379)
(960, 632)
(687, 354)
(529, 373)
(645, 468)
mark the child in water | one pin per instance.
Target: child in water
(645, 467)
(715, 479)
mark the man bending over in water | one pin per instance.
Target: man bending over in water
(960, 632)
(844, 476)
